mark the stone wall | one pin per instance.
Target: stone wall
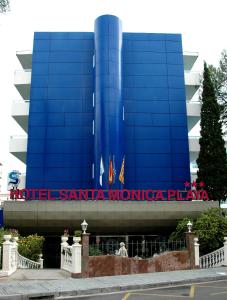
(109, 265)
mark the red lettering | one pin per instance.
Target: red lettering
(73, 195)
(42, 194)
(125, 197)
(14, 194)
(100, 195)
(159, 195)
(93, 191)
(49, 195)
(148, 198)
(196, 194)
(63, 195)
(171, 194)
(83, 194)
(190, 195)
(179, 196)
(33, 193)
(204, 196)
(114, 194)
(143, 195)
(135, 195)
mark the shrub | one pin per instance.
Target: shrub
(94, 251)
(31, 246)
(77, 233)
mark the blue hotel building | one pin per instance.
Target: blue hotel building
(92, 100)
(105, 96)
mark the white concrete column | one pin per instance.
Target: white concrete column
(196, 250)
(40, 260)
(6, 254)
(76, 258)
(15, 244)
(225, 251)
(64, 243)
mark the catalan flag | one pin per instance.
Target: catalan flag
(122, 172)
(114, 170)
(111, 172)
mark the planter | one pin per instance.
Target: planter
(64, 238)
(7, 237)
(76, 239)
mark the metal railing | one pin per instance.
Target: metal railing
(142, 249)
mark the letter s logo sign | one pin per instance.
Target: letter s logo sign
(14, 178)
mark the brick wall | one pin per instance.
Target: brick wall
(109, 265)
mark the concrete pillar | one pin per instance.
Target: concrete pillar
(40, 260)
(76, 258)
(190, 247)
(225, 251)
(196, 251)
(6, 254)
(85, 254)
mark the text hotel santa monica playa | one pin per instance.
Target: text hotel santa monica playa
(98, 194)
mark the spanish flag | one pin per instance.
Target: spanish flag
(111, 172)
(122, 173)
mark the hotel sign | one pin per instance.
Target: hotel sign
(114, 195)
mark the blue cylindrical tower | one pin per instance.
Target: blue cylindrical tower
(108, 143)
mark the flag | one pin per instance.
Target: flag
(114, 170)
(101, 171)
(111, 172)
(122, 172)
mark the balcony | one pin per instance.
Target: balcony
(25, 58)
(192, 83)
(194, 144)
(22, 81)
(18, 147)
(193, 113)
(189, 59)
(20, 112)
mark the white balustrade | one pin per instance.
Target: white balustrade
(67, 258)
(71, 256)
(25, 263)
(213, 259)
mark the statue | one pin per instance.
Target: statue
(122, 251)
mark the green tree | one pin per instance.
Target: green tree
(211, 227)
(219, 79)
(4, 6)
(212, 159)
(181, 229)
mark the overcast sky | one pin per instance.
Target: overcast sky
(201, 23)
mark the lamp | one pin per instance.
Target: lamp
(189, 226)
(84, 225)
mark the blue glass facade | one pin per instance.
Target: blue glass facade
(145, 75)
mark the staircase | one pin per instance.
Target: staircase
(213, 259)
(25, 263)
